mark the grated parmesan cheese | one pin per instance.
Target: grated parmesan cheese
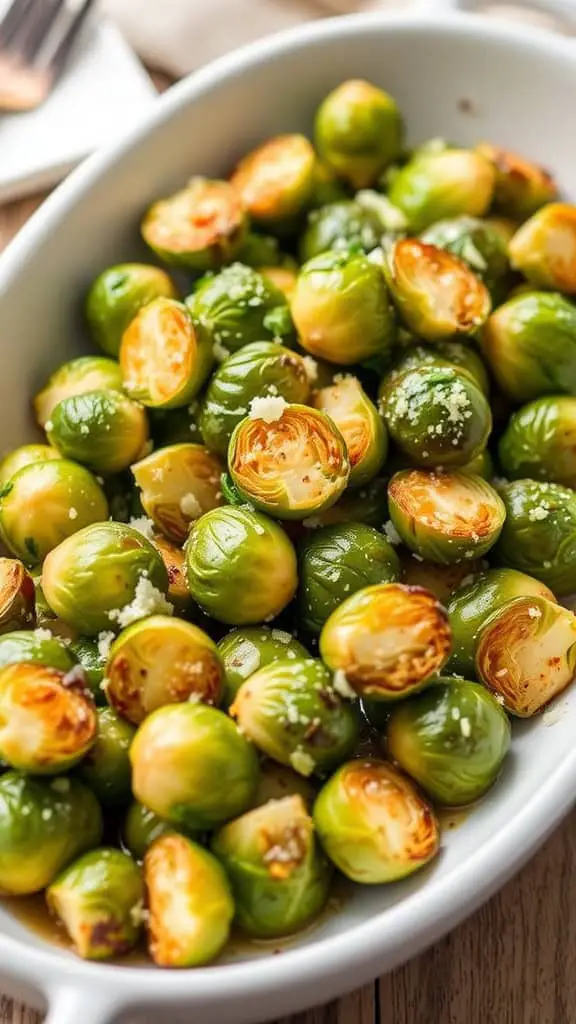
(391, 533)
(104, 643)
(302, 762)
(342, 686)
(73, 513)
(190, 506)
(311, 367)
(268, 409)
(143, 526)
(148, 600)
(42, 634)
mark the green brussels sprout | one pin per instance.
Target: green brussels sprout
(544, 248)
(434, 185)
(26, 455)
(279, 876)
(386, 641)
(443, 353)
(445, 517)
(261, 250)
(358, 131)
(17, 596)
(435, 293)
(241, 566)
(48, 622)
(175, 564)
(175, 426)
(190, 903)
(521, 187)
(478, 243)
(368, 505)
(106, 767)
(87, 654)
(373, 823)
(452, 739)
(540, 441)
(441, 580)
(530, 345)
(277, 781)
(141, 827)
(103, 430)
(358, 224)
(77, 377)
(99, 900)
(357, 419)
(105, 576)
(44, 825)
(245, 651)
(36, 647)
(341, 309)
(539, 535)
(526, 653)
(337, 561)
(275, 182)
(115, 297)
(192, 766)
(45, 503)
(291, 711)
(288, 460)
(178, 484)
(201, 227)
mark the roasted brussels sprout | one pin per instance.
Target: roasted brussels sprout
(288, 460)
(275, 182)
(192, 766)
(373, 823)
(44, 825)
(87, 654)
(201, 227)
(106, 767)
(105, 576)
(478, 243)
(341, 309)
(441, 580)
(116, 296)
(526, 653)
(17, 596)
(540, 441)
(175, 564)
(103, 430)
(277, 781)
(141, 827)
(445, 517)
(26, 455)
(189, 900)
(521, 187)
(46, 502)
(357, 419)
(241, 566)
(456, 354)
(435, 184)
(178, 484)
(544, 248)
(358, 131)
(539, 535)
(99, 900)
(357, 224)
(279, 876)
(245, 651)
(36, 647)
(386, 641)
(78, 377)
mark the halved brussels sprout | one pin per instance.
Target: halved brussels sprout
(178, 484)
(106, 767)
(521, 187)
(445, 517)
(288, 460)
(44, 825)
(526, 653)
(36, 647)
(103, 430)
(279, 876)
(539, 535)
(544, 248)
(26, 455)
(105, 576)
(17, 596)
(292, 712)
(87, 654)
(540, 441)
(373, 823)
(443, 353)
(368, 505)
(278, 782)
(116, 296)
(189, 901)
(434, 185)
(436, 294)
(201, 227)
(441, 580)
(141, 827)
(275, 181)
(387, 641)
(99, 900)
(357, 419)
(77, 377)
(337, 561)
(341, 308)
(480, 244)
(452, 740)
(358, 131)
(245, 651)
(161, 660)
(175, 564)
(45, 503)
(192, 766)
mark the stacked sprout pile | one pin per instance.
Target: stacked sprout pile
(293, 555)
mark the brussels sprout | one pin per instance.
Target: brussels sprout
(288, 460)
(452, 740)
(344, 225)
(177, 485)
(292, 712)
(337, 561)
(26, 455)
(201, 227)
(526, 653)
(478, 243)
(368, 505)
(341, 309)
(443, 353)
(99, 900)
(521, 187)
(539, 535)
(245, 651)
(17, 596)
(434, 185)
(44, 825)
(106, 574)
(175, 426)
(277, 782)
(275, 181)
(441, 580)
(175, 564)
(92, 663)
(358, 131)
(141, 827)
(263, 368)
(192, 766)
(36, 647)
(260, 250)
(45, 503)
(373, 823)
(78, 377)
(544, 248)
(106, 767)
(445, 517)
(387, 641)
(357, 419)
(436, 294)
(189, 900)
(470, 608)
(530, 345)
(540, 441)
(283, 278)
(279, 876)
(103, 430)
(115, 298)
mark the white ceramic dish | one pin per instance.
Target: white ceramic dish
(518, 88)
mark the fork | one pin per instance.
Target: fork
(36, 37)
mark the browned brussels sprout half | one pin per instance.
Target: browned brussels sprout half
(521, 187)
(178, 484)
(357, 419)
(544, 248)
(116, 296)
(275, 182)
(17, 596)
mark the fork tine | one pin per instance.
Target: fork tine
(36, 28)
(59, 55)
(14, 17)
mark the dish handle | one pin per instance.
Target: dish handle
(69, 1005)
